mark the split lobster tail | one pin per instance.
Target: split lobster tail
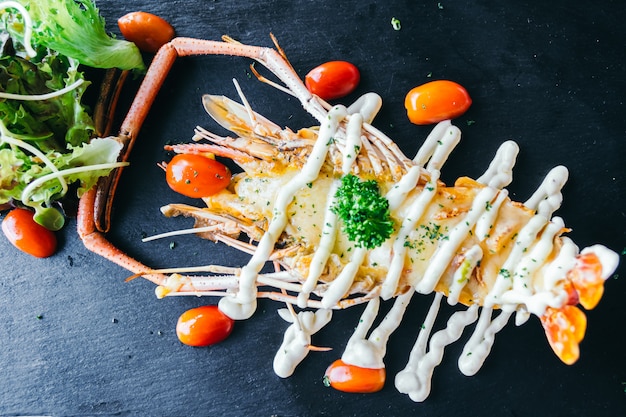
(565, 327)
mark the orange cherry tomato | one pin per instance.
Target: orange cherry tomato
(436, 101)
(332, 80)
(203, 326)
(196, 176)
(148, 31)
(27, 235)
(350, 378)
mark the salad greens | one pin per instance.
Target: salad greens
(74, 28)
(46, 132)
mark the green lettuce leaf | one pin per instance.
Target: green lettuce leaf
(74, 28)
(17, 170)
(53, 122)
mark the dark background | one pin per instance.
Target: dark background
(76, 340)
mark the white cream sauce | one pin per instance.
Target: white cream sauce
(417, 209)
(340, 285)
(479, 345)
(547, 199)
(499, 174)
(524, 240)
(461, 276)
(368, 352)
(297, 340)
(415, 379)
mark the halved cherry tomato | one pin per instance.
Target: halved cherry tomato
(196, 176)
(351, 378)
(436, 101)
(27, 235)
(148, 31)
(332, 80)
(203, 326)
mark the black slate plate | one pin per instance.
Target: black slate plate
(76, 340)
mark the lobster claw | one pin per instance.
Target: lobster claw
(565, 329)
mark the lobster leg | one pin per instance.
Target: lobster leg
(129, 130)
(95, 205)
(96, 242)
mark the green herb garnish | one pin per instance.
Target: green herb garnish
(363, 211)
(395, 23)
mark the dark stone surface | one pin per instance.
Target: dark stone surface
(76, 340)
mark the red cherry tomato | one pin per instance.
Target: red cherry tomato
(436, 101)
(27, 235)
(203, 326)
(196, 176)
(350, 378)
(149, 32)
(332, 80)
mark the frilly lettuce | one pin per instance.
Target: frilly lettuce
(18, 169)
(46, 145)
(51, 123)
(74, 28)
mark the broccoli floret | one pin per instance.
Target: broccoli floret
(364, 212)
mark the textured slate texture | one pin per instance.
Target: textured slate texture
(76, 340)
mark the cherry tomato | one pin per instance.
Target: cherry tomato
(196, 176)
(27, 235)
(332, 80)
(350, 378)
(436, 101)
(149, 32)
(203, 326)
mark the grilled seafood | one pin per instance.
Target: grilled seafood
(468, 242)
